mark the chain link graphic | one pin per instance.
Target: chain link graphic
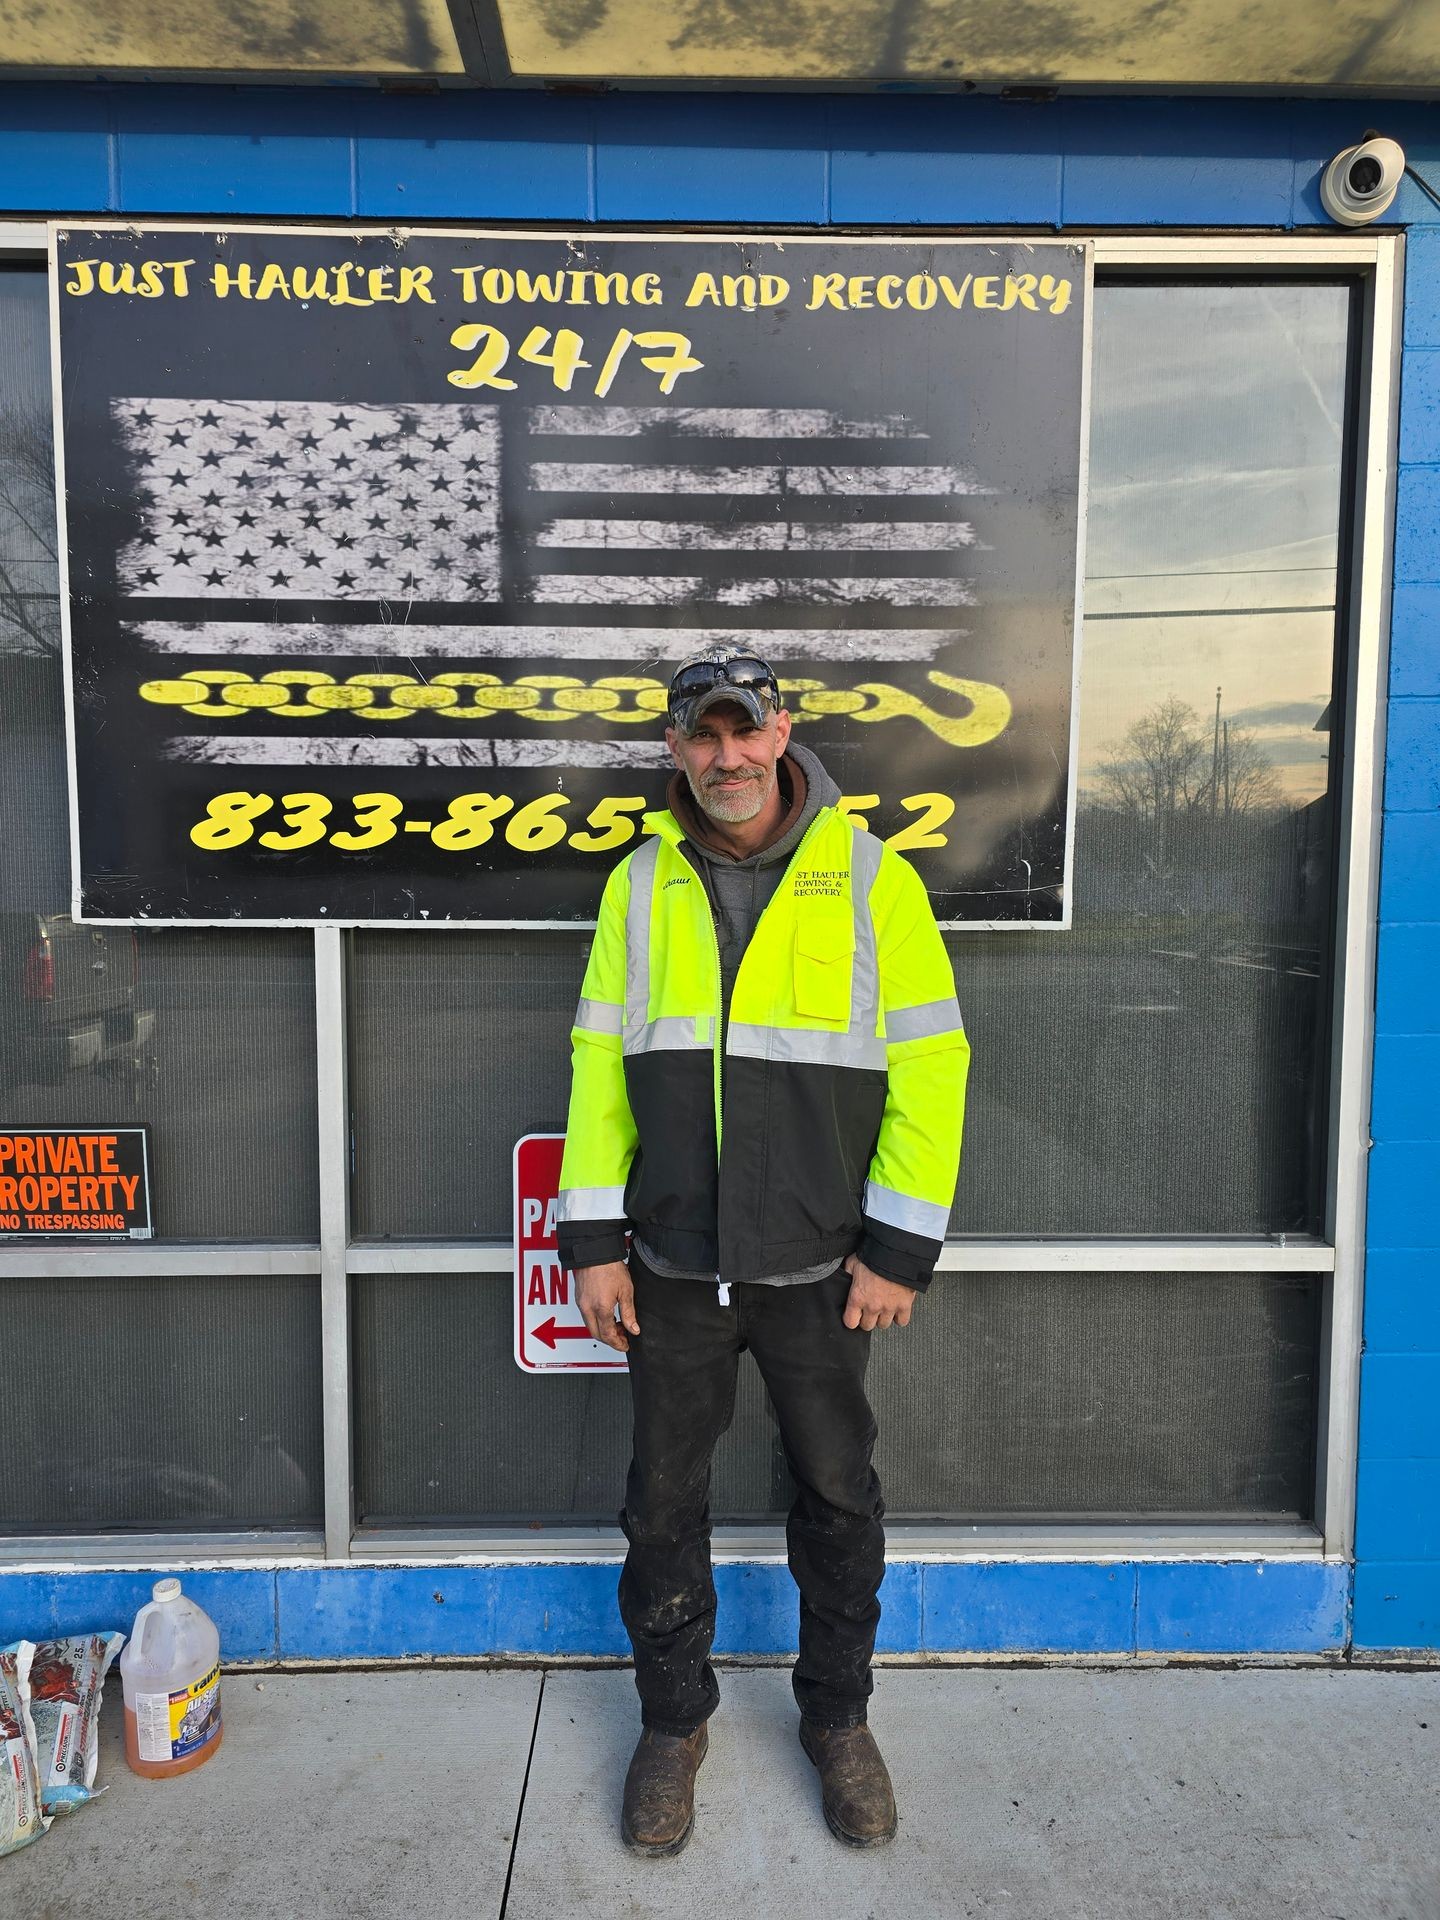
(300, 693)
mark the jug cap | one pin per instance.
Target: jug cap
(166, 1590)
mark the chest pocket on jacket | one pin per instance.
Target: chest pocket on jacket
(824, 948)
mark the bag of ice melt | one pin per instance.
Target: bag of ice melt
(22, 1819)
(67, 1682)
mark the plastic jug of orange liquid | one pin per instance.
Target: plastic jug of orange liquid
(170, 1675)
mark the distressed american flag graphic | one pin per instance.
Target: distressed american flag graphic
(617, 534)
(786, 509)
(311, 500)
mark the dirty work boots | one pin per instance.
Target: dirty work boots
(855, 1789)
(659, 1807)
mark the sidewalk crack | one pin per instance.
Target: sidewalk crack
(524, 1789)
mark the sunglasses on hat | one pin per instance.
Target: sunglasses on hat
(745, 673)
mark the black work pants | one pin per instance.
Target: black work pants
(683, 1369)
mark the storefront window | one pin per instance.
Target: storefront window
(460, 1044)
(207, 1035)
(1110, 1396)
(188, 1403)
(1156, 1070)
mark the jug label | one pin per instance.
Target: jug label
(170, 1725)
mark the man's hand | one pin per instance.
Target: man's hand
(598, 1291)
(873, 1301)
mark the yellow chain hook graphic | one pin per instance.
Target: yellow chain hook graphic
(554, 699)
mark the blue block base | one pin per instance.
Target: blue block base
(1397, 1606)
(305, 1611)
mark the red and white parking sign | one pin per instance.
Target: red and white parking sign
(550, 1336)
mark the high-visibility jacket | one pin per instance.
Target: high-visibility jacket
(845, 1060)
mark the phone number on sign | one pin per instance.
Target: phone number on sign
(471, 819)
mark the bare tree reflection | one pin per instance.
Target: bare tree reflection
(1169, 762)
(29, 546)
(34, 865)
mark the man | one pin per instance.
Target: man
(769, 1076)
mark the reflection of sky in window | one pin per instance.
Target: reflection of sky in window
(1217, 424)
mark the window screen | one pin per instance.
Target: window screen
(1040, 1396)
(187, 1403)
(1156, 1070)
(460, 1044)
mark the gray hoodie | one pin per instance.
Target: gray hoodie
(739, 892)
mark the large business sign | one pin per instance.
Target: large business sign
(381, 547)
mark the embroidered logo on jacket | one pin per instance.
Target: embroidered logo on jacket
(830, 882)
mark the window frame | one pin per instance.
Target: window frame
(1376, 261)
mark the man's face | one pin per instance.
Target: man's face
(729, 761)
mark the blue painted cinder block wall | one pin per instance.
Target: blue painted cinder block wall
(1397, 1571)
(883, 162)
(300, 1612)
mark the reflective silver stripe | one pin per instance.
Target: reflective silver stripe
(637, 938)
(922, 1023)
(865, 852)
(673, 1033)
(591, 1203)
(803, 1047)
(911, 1216)
(599, 1016)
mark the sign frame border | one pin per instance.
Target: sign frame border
(56, 229)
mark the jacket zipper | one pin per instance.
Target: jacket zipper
(722, 1287)
(722, 1291)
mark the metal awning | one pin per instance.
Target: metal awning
(1285, 46)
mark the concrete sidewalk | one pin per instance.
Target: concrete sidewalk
(1037, 1793)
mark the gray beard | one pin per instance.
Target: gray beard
(733, 810)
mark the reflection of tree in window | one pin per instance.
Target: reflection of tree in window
(1169, 761)
(1187, 814)
(29, 596)
(34, 866)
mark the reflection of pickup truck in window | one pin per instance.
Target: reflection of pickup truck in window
(70, 1002)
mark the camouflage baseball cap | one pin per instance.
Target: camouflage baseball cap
(722, 672)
